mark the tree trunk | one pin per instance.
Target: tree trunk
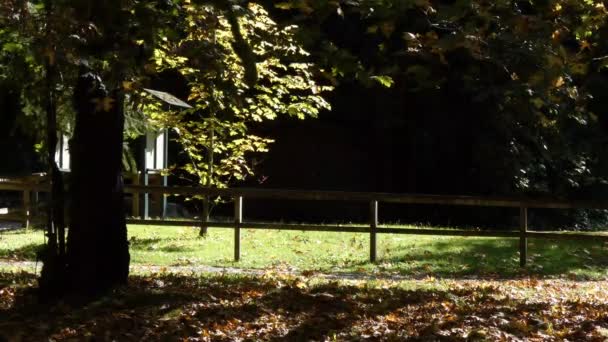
(97, 247)
(52, 277)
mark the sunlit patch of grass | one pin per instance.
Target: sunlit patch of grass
(19, 245)
(405, 255)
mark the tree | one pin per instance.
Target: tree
(526, 74)
(97, 56)
(215, 133)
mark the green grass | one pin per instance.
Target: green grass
(409, 255)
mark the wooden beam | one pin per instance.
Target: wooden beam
(181, 223)
(578, 236)
(304, 227)
(340, 196)
(449, 232)
(15, 186)
(370, 196)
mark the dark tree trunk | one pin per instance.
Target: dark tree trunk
(97, 247)
(53, 272)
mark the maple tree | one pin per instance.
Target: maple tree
(486, 97)
(91, 61)
(533, 69)
(225, 102)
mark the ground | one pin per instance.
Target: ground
(176, 307)
(187, 288)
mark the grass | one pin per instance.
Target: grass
(408, 255)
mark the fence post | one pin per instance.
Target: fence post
(36, 200)
(135, 203)
(27, 208)
(205, 217)
(146, 196)
(373, 225)
(523, 240)
(238, 220)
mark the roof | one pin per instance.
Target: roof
(168, 98)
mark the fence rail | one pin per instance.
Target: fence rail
(372, 227)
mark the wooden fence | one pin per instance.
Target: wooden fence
(373, 228)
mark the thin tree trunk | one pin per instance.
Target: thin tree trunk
(97, 247)
(52, 276)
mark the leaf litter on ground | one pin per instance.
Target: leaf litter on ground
(278, 306)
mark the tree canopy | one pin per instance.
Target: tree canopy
(535, 69)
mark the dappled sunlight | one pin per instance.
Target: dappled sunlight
(414, 256)
(21, 253)
(492, 257)
(275, 307)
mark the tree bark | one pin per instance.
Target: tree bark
(97, 247)
(52, 276)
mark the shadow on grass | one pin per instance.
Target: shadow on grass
(449, 257)
(158, 244)
(144, 244)
(170, 307)
(497, 258)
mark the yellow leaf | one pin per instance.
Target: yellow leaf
(556, 35)
(127, 85)
(392, 317)
(585, 45)
(559, 82)
(408, 36)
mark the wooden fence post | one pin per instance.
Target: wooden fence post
(373, 225)
(36, 200)
(135, 203)
(146, 196)
(523, 240)
(205, 217)
(27, 208)
(238, 220)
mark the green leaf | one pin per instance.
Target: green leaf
(386, 81)
(12, 47)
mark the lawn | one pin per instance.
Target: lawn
(433, 302)
(408, 255)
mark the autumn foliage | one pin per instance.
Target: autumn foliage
(171, 307)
